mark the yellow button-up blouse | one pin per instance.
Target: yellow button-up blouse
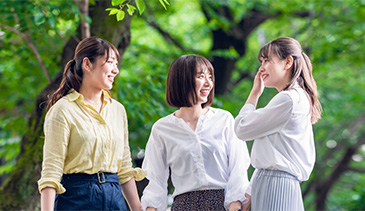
(78, 139)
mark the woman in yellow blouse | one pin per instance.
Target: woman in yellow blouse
(86, 142)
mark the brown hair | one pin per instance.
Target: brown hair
(92, 48)
(301, 73)
(180, 84)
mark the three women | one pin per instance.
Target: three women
(87, 146)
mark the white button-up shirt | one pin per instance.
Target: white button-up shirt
(282, 132)
(211, 157)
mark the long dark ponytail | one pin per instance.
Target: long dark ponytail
(284, 47)
(92, 48)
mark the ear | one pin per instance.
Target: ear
(289, 62)
(86, 64)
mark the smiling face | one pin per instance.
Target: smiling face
(203, 85)
(103, 72)
(274, 71)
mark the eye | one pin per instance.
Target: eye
(201, 76)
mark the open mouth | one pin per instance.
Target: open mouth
(205, 92)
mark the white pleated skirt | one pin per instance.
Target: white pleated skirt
(276, 190)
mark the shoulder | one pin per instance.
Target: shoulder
(221, 113)
(297, 95)
(61, 109)
(116, 103)
(63, 104)
(283, 97)
(165, 121)
(116, 106)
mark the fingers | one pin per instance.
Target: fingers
(247, 205)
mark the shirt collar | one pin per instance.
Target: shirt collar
(73, 95)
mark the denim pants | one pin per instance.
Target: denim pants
(99, 191)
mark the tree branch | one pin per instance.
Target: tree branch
(169, 38)
(32, 47)
(84, 10)
(341, 143)
(357, 170)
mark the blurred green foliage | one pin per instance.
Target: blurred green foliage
(331, 33)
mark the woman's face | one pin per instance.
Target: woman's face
(103, 72)
(274, 72)
(204, 84)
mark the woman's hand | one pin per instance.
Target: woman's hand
(258, 84)
(247, 206)
(151, 209)
(235, 206)
(257, 89)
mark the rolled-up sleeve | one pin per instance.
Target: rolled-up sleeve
(239, 162)
(254, 123)
(154, 163)
(57, 132)
(126, 170)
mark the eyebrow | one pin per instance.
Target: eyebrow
(204, 72)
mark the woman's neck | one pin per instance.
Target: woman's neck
(92, 97)
(191, 114)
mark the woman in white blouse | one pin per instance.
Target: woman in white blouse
(197, 143)
(283, 152)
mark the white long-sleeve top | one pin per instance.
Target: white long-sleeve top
(283, 133)
(211, 157)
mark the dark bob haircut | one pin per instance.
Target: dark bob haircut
(180, 85)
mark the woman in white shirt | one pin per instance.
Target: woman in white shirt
(283, 152)
(197, 143)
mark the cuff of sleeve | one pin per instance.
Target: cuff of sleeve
(52, 184)
(137, 173)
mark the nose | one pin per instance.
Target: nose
(207, 80)
(115, 70)
(261, 69)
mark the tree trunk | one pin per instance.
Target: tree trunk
(234, 37)
(20, 190)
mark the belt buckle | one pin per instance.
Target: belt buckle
(101, 179)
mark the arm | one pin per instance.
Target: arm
(254, 123)
(47, 199)
(239, 162)
(57, 134)
(155, 164)
(130, 193)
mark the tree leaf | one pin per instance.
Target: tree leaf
(117, 2)
(163, 4)
(130, 9)
(140, 5)
(120, 15)
(113, 11)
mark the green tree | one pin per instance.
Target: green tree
(19, 191)
(229, 33)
